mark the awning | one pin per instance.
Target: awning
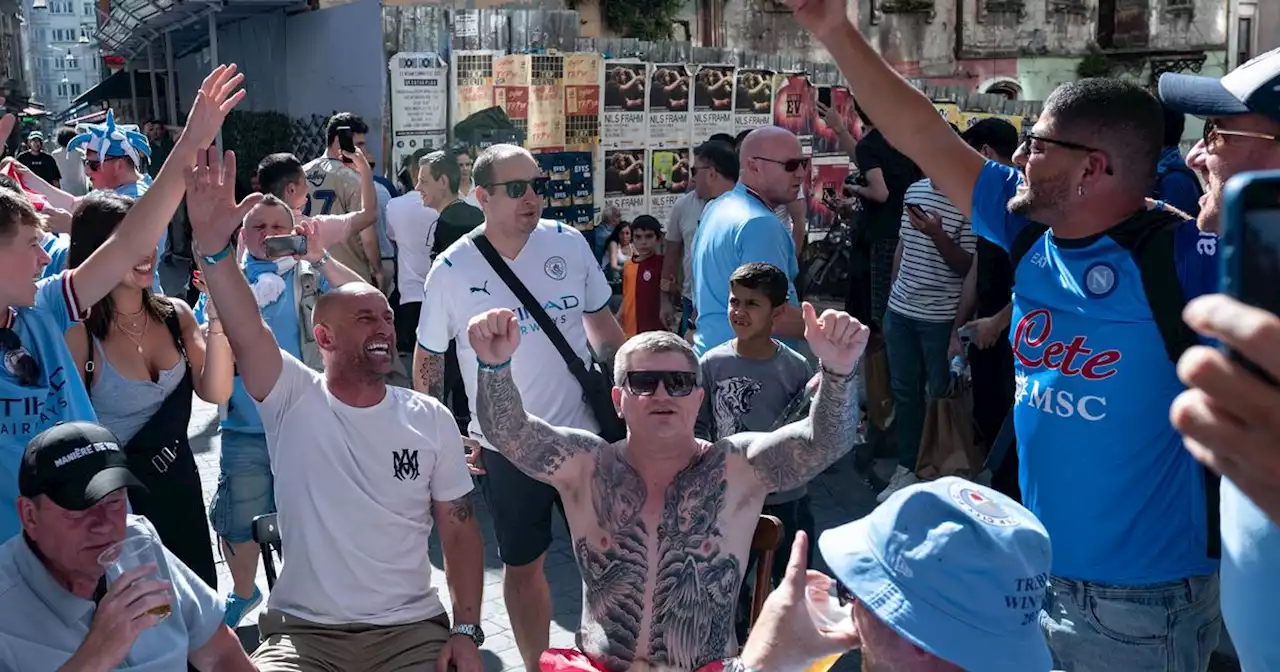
(132, 24)
(116, 87)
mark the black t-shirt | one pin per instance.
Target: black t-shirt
(41, 164)
(456, 221)
(995, 278)
(884, 219)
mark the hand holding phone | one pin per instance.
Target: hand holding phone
(346, 141)
(1250, 247)
(285, 246)
(824, 95)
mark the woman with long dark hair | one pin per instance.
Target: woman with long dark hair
(141, 357)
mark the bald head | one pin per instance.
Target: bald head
(344, 299)
(772, 164)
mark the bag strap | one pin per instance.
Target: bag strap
(1151, 237)
(548, 326)
(175, 330)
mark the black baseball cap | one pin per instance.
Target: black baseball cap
(76, 465)
(1252, 88)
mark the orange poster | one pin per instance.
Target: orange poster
(582, 100)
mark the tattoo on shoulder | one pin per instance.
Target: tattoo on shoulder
(534, 446)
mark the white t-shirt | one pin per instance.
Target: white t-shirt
(469, 196)
(685, 214)
(557, 267)
(354, 488)
(412, 226)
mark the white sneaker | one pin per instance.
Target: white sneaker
(901, 479)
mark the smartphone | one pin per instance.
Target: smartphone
(828, 193)
(285, 246)
(824, 95)
(1250, 246)
(920, 212)
(346, 141)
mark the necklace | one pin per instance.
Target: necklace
(136, 337)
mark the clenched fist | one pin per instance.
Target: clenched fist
(494, 335)
(836, 338)
(823, 18)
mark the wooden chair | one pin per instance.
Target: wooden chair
(764, 543)
(266, 532)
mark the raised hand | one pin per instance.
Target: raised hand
(836, 338)
(310, 229)
(494, 336)
(7, 122)
(218, 94)
(211, 201)
(823, 18)
(358, 161)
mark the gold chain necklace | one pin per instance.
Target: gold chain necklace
(136, 337)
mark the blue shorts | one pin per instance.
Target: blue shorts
(246, 488)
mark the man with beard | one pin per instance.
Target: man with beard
(1130, 513)
(355, 511)
(1230, 417)
(661, 521)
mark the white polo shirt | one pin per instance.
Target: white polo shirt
(557, 267)
(354, 488)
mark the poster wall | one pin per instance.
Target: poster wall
(511, 89)
(793, 107)
(669, 106)
(950, 112)
(752, 99)
(624, 181)
(668, 180)
(968, 119)
(582, 100)
(827, 184)
(472, 83)
(825, 139)
(571, 191)
(712, 102)
(625, 119)
(419, 103)
(546, 102)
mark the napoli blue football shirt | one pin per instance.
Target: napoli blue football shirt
(1101, 465)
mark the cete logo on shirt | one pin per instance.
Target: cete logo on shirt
(1034, 348)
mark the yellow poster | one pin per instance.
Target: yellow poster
(511, 89)
(971, 118)
(473, 83)
(546, 102)
(950, 112)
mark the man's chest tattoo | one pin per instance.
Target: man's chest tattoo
(697, 581)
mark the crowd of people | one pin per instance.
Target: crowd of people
(662, 384)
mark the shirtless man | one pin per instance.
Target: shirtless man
(661, 521)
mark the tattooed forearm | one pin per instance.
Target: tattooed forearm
(428, 373)
(790, 456)
(534, 446)
(613, 572)
(696, 592)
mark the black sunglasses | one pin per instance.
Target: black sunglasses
(790, 165)
(1028, 136)
(645, 383)
(842, 594)
(18, 361)
(517, 188)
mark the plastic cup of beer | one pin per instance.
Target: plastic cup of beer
(828, 615)
(130, 554)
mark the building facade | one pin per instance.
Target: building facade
(64, 59)
(1255, 29)
(15, 69)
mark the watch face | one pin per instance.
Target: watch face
(472, 631)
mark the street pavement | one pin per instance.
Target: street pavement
(838, 497)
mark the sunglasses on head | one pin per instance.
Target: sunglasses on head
(517, 188)
(18, 361)
(645, 383)
(789, 165)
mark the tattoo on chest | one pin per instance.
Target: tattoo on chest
(697, 581)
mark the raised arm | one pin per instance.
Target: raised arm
(215, 216)
(903, 114)
(136, 236)
(789, 457)
(554, 455)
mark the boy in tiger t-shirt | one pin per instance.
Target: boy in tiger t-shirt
(642, 295)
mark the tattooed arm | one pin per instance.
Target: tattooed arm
(428, 372)
(555, 455)
(463, 556)
(792, 455)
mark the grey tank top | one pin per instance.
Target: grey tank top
(124, 405)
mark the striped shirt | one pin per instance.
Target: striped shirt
(926, 288)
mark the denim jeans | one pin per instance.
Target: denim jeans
(1166, 627)
(918, 371)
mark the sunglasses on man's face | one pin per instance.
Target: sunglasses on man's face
(518, 188)
(842, 594)
(789, 165)
(96, 164)
(645, 383)
(18, 361)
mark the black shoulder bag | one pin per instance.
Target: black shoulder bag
(597, 384)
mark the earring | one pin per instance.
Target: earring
(1080, 190)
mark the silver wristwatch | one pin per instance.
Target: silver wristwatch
(319, 263)
(469, 630)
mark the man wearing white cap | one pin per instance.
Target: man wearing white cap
(945, 575)
(1229, 416)
(38, 161)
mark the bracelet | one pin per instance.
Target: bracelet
(493, 367)
(319, 263)
(736, 665)
(220, 255)
(833, 375)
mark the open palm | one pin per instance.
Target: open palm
(211, 200)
